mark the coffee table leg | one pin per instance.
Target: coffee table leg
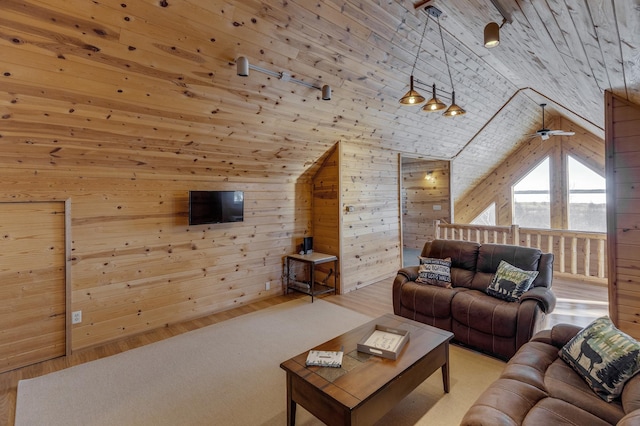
(445, 370)
(291, 404)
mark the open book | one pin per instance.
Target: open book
(325, 358)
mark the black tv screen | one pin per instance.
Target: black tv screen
(215, 207)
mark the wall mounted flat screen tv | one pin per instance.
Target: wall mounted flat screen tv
(215, 207)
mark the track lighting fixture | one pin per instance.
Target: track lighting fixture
(243, 66)
(492, 29)
(491, 35)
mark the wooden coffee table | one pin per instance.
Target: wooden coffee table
(367, 386)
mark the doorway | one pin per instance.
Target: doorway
(425, 196)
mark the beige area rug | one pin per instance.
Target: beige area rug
(229, 374)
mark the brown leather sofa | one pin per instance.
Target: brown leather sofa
(538, 388)
(477, 319)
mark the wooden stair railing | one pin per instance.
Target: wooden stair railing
(579, 254)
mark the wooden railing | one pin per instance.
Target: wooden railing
(580, 254)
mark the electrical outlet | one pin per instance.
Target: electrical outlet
(267, 285)
(76, 317)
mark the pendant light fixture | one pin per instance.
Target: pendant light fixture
(453, 109)
(434, 104)
(412, 97)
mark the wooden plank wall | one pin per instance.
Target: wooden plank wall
(123, 107)
(32, 283)
(326, 213)
(496, 187)
(138, 265)
(371, 233)
(425, 185)
(623, 204)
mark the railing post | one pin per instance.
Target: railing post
(515, 235)
(587, 256)
(437, 226)
(601, 262)
(562, 254)
(574, 255)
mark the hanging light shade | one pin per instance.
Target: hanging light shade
(434, 104)
(411, 97)
(491, 35)
(453, 109)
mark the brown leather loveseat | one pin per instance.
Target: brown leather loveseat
(538, 388)
(476, 318)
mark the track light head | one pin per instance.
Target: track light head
(491, 35)
(242, 66)
(326, 92)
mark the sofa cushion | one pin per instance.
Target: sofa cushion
(426, 300)
(630, 396)
(510, 282)
(557, 412)
(563, 383)
(463, 254)
(434, 271)
(604, 356)
(479, 311)
(490, 255)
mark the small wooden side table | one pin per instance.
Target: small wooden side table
(310, 287)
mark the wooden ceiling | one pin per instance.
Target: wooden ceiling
(156, 79)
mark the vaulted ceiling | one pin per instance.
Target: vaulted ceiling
(157, 78)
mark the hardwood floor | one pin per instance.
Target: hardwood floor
(578, 303)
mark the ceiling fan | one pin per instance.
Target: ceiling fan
(545, 133)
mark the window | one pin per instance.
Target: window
(587, 198)
(487, 217)
(532, 199)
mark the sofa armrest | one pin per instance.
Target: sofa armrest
(562, 333)
(410, 272)
(543, 295)
(557, 336)
(405, 275)
(631, 419)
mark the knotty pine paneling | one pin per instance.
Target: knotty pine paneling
(371, 233)
(138, 265)
(496, 186)
(32, 283)
(326, 214)
(622, 166)
(425, 184)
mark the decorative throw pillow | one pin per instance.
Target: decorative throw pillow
(510, 282)
(435, 272)
(604, 356)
